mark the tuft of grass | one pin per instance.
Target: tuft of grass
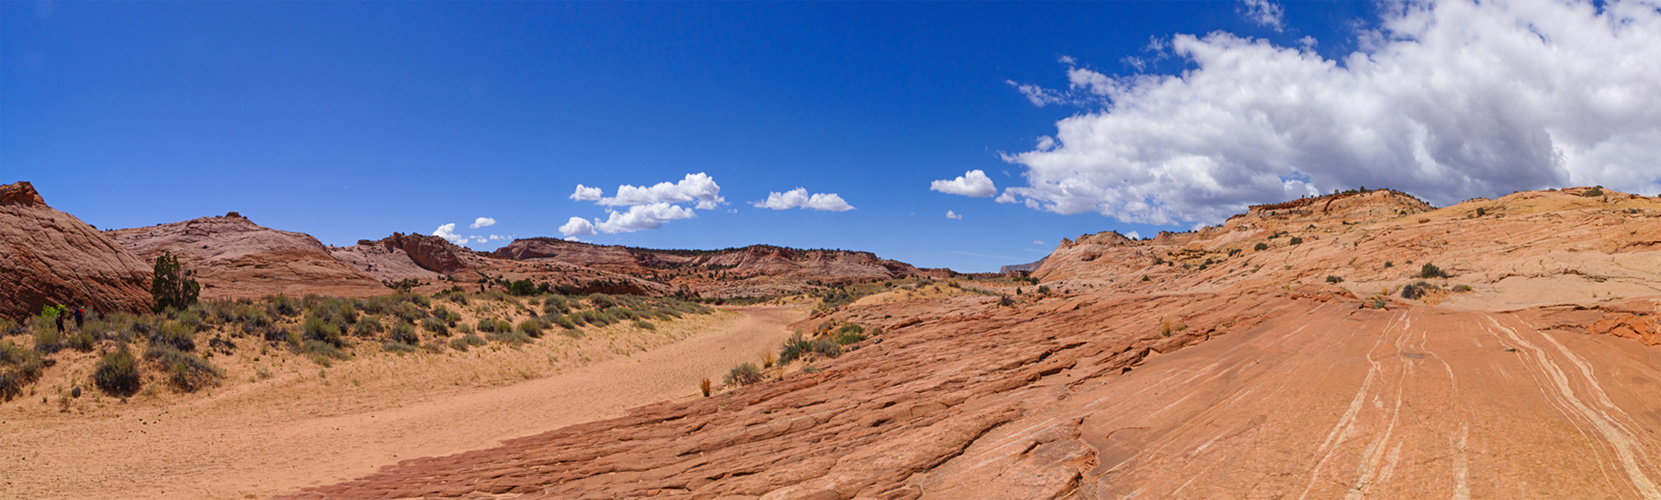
(1461, 288)
(644, 325)
(768, 360)
(744, 374)
(117, 373)
(1416, 290)
(704, 386)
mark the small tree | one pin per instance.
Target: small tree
(168, 288)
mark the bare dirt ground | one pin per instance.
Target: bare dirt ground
(304, 428)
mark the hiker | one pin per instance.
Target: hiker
(60, 321)
(78, 313)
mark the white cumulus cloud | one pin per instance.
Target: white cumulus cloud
(1265, 13)
(699, 188)
(1447, 100)
(585, 193)
(953, 215)
(799, 198)
(577, 226)
(641, 217)
(482, 222)
(971, 183)
(448, 232)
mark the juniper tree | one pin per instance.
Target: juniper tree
(169, 288)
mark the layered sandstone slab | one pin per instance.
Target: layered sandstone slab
(50, 257)
(233, 257)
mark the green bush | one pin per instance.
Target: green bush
(282, 306)
(555, 304)
(1594, 192)
(531, 327)
(369, 326)
(486, 325)
(178, 336)
(436, 327)
(561, 320)
(744, 374)
(1415, 291)
(321, 330)
(405, 333)
(794, 347)
(1296, 241)
(503, 326)
(117, 373)
(19, 367)
(1334, 279)
(1431, 271)
(187, 372)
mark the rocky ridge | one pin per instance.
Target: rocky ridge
(233, 258)
(51, 257)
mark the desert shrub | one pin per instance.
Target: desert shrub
(405, 333)
(192, 320)
(321, 330)
(465, 329)
(1594, 192)
(466, 341)
(644, 325)
(1480, 212)
(1043, 289)
(503, 325)
(573, 333)
(486, 325)
(1431, 271)
(1461, 288)
(369, 326)
(555, 304)
(81, 340)
(562, 321)
(1389, 264)
(1295, 241)
(174, 334)
(49, 340)
(1377, 302)
(408, 312)
(795, 347)
(849, 338)
(398, 347)
(1261, 246)
(117, 373)
(187, 372)
(319, 351)
(1416, 290)
(531, 327)
(744, 374)
(415, 299)
(509, 336)
(282, 306)
(169, 289)
(19, 367)
(456, 296)
(1334, 279)
(601, 301)
(523, 288)
(436, 327)
(704, 386)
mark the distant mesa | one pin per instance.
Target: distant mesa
(1022, 269)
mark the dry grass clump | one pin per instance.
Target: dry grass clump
(744, 374)
(117, 373)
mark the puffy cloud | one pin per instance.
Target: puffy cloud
(699, 187)
(577, 226)
(585, 193)
(1037, 242)
(448, 232)
(953, 215)
(1265, 13)
(799, 198)
(641, 217)
(482, 222)
(971, 183)
(1447, 100)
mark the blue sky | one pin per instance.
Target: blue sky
(351, 120)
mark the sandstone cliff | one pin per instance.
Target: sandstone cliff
(50, 257)
(233, 257)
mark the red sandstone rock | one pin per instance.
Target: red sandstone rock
(233, 257)
(50, 257)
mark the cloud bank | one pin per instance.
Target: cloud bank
(799, 198)
(971, 183)
(649, 207)
(1447, 100)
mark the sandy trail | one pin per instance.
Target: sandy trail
(249, 444)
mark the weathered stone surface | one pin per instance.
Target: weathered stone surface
(233, 257)
(1222, 375)
(50, 257)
